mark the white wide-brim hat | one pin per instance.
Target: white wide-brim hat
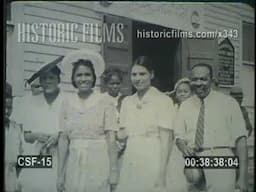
(86, 54)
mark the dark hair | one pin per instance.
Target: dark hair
(8, 90)
(144, 61)
(110, 72)
(55, 70)
(86, 63)
(204, 65)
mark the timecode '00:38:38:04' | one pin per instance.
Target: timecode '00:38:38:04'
(214, 162)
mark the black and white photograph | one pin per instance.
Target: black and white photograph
(112, 96)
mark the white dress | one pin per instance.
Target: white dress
(35, 114)
(142, 120)
(85, 123)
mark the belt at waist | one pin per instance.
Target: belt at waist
(212, 148)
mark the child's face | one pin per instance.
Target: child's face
(183, 92)
(114, 85)
(8, 107)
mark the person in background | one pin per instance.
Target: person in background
(13, 144)
(146, 117)
(211, 123)
(88, 120)
(237, 93)
(113, 79)
(39, 116)
(176, 180)
(182, 91)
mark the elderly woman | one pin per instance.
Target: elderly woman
(176, 180)
(87, 155)
(146, 117)
(39, 116)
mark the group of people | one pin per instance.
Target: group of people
(107, 142)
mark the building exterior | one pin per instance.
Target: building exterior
(90, 26)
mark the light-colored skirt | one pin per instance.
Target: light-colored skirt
(176, 180)
(39, 179)
(87, 166)
(141, 164)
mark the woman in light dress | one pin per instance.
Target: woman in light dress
(147, 118)
(87, 153)
(38, 115)
(176, 180)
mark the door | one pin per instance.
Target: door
(197, 51)
(119, 54)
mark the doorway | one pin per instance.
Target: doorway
(162, 51)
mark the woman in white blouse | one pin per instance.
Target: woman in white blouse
(87, 155)
(146, 117)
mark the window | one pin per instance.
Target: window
(248, 43)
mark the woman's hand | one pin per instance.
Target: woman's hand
(52, 140)
(182, 146)
(121, 143)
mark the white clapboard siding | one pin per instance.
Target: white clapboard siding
(246, 11)
(60, 40)
(70, 8)
(36, 54)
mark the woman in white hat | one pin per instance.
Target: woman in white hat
(39, 116)
(87, 153)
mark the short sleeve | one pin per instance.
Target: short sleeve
(179, 125)
(110, 117)
(166, 113)
(123, 113)
(238, 127)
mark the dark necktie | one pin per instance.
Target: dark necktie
(199, 137)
